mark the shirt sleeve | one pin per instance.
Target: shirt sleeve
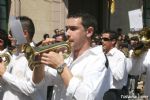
(26, 87)
(118, 71)
(49, 78)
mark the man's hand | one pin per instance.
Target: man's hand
(52, 59)
(48, 41)
(2, 68)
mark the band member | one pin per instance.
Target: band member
(117, 64)
(83, 75)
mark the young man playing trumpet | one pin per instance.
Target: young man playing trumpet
(83, 75)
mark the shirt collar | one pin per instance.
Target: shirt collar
(16, 56)
(96, 50)
(111, 52)
(93, 51)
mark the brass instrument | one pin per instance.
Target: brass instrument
(145, 36)
(5, 57)
(144, 44)
(32, 52)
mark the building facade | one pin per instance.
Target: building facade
(48, 15)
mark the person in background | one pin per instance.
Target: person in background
(4, 44)
(81, 76)
(62, 31)
(56, 32)
(60, 38)
(139, 61)
(117, 64)
(17, 74)
(4, 41)
(45, 41)
(45, 36)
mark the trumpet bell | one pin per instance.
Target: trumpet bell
(5, 57)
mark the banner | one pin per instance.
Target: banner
(135, 20)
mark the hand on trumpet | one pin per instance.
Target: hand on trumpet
(48, 41)
(52, 59)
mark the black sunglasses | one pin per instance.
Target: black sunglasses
(105, 39)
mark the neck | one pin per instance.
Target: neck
(78, 52)
(107, 50)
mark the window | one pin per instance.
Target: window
(4, 14)
(146, 13)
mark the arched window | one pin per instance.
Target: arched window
(4, 14)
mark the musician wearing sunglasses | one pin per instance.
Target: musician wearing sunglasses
(117, 62)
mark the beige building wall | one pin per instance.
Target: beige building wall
(47, 15)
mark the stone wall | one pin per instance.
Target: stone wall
(47, 15)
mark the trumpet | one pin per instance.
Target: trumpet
(5, 57)
(32, 52)
(144, 44)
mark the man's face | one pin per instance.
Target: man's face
(75, 32)
(106, 42)
(133, 42)
(13, 41)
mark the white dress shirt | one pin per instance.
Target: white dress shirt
(19, 84)
(1, 82)
(16, 70)
(117, 64)
(90, 77)
(140, 65)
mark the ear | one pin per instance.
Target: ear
(25, 33)
(90, 31)
(114, 41)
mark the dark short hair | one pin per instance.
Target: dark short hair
(4, 37)
(55, 30)
(113, 34)
(45, 35)
(88, 20)
(27, 24)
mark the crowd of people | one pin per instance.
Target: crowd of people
(104, 66)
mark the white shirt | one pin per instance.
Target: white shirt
(17, 81)
(16, 70)
(140, 65)
(117, 64)
(1, 82)
(90, 77)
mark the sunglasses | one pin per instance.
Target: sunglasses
(105, 39)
